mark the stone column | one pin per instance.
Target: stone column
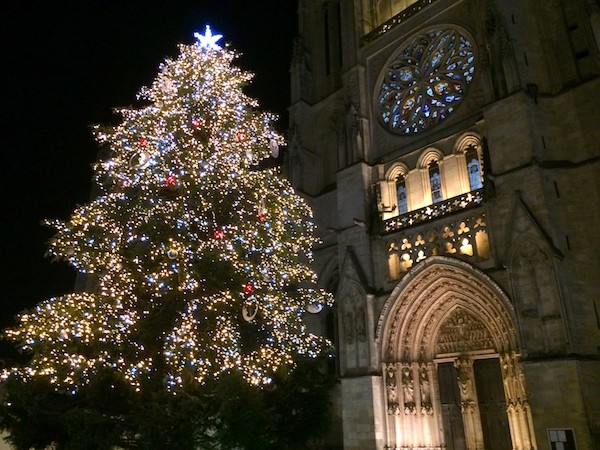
(518, 410)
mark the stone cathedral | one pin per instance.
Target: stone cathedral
(450, 150)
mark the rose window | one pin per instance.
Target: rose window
(426, 81)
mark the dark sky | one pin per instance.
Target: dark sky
(63, 66)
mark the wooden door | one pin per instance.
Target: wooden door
(492, 404)
(454, 430)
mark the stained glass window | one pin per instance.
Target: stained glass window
(435, 182)
(473, 168)
(401, 195)
(426, 81)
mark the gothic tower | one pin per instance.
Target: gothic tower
(451, 152)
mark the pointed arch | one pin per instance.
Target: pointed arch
(441, 320)
(411, 320)
(466, 140)
(428, 156)
(396, 170)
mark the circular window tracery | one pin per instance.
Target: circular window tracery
(426, 81)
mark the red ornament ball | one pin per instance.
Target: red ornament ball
(249, 289)
(219, 234)
(171, 181)
(143, 142)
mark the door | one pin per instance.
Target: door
(454, 430)
(492, 405)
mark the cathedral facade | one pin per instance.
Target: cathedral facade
(450, 150)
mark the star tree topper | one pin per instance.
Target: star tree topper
(208, 40)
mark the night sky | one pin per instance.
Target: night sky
(64, 65)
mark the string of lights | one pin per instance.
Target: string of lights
(198, 263)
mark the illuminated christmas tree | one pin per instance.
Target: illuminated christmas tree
(198, 262)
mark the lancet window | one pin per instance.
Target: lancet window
(473, 168)
(401, 194)
(435, 182)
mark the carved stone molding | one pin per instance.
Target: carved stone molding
(435, 303)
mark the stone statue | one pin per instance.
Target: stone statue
(391, 389)
(408, 390)
(425, 389)
(465, 383)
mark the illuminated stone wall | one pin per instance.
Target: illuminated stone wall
(525, 241)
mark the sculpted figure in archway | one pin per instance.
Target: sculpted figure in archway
(425, 387)
(391, 389)
(408, 390)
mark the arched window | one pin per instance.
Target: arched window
(435, 182)
(469, 145)
(473, 167)
(401, 194)
(393, 192)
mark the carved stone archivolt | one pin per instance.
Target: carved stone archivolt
(448, 309)
(444, 297)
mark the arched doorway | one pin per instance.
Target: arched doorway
(451, 371)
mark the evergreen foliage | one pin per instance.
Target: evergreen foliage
(197, 256)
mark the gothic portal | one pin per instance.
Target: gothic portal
(450, 150)
(451, 367)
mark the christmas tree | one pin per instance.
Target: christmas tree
(197, 261)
